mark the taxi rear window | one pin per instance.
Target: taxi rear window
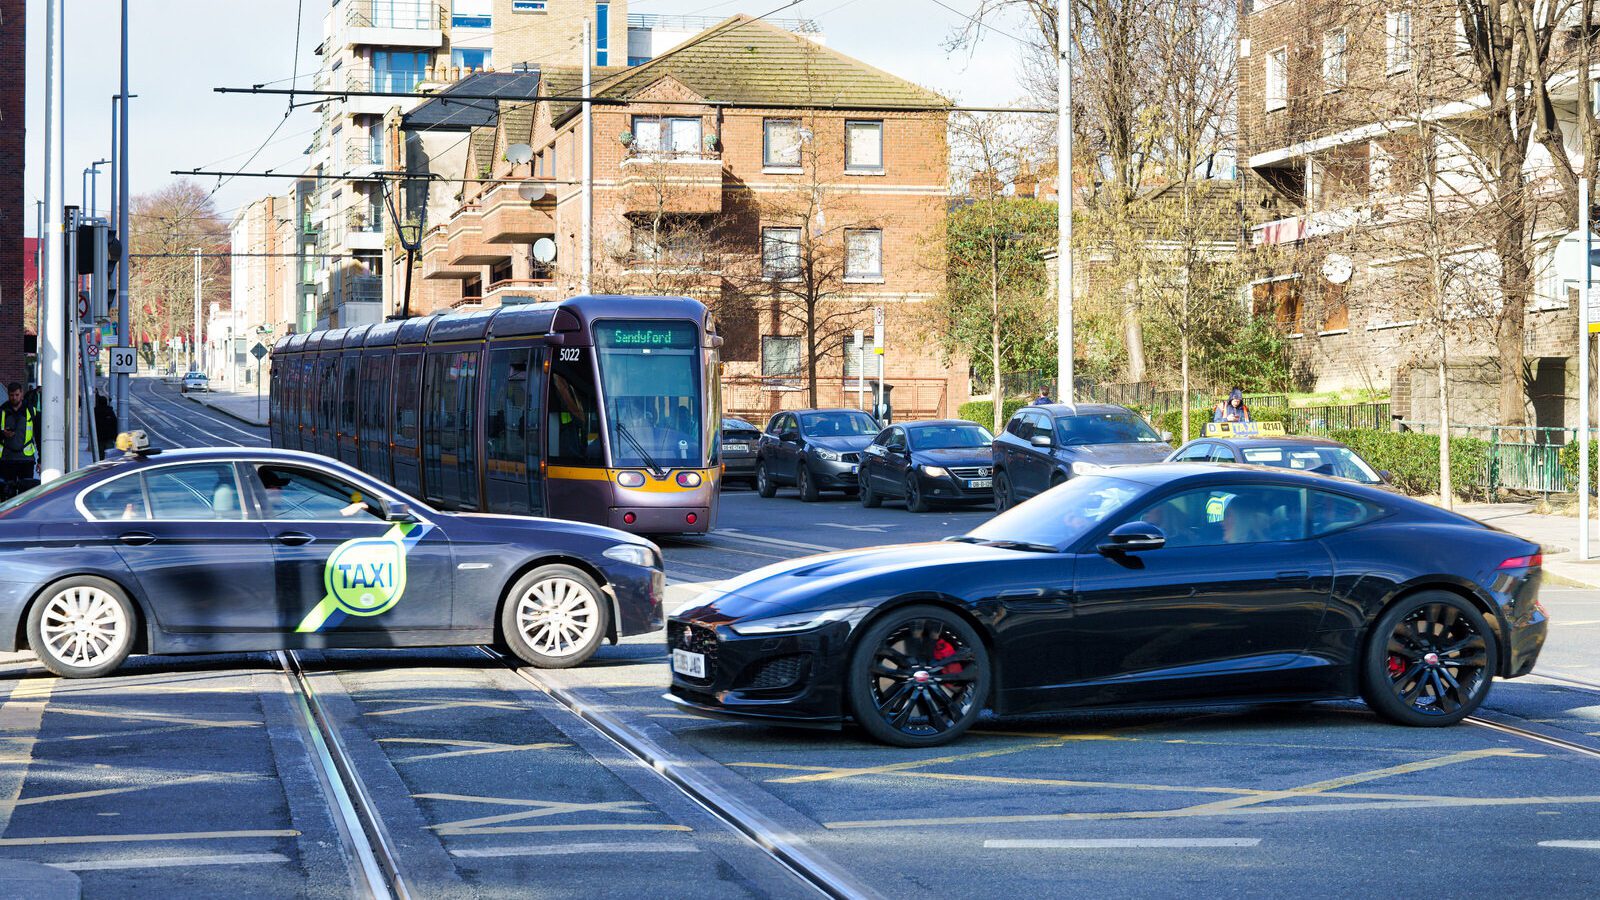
(122, 498)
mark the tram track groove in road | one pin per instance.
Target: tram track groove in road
(177, 421)
(787, 849)
(376, 865)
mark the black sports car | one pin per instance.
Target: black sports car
(196, 551)
(923, 463)
(1163, 585)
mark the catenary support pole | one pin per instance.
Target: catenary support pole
(52, 274)
(125, 335)
(587, 203)
(1065, 380)
(194, 344)
(1584, 375)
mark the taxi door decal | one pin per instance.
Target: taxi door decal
(364, 576)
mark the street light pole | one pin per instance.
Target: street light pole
(124, 323)
(52, 273)
(1066, 383)
(587, 204)
(194, 345)
(91, 177)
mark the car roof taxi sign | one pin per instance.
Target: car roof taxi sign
(1244, 429)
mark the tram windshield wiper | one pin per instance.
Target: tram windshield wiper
(638, 448)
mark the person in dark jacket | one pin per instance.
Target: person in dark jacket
(105, 423)
(1042, 400)
(1232, 409)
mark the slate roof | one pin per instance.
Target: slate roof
(743, 59)
(441, 114)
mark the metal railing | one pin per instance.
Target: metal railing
(363, 153)
(385, 80)
(1323, 419)
(407, 14)
(360, 220)
(761, 396)
(1521, 458)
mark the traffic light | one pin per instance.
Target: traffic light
(86, 248)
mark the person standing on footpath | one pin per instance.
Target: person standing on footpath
(1232, 409)
(19, 436)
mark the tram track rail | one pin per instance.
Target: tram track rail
(374, 864)
(777, 842)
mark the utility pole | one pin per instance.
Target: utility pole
(91, 182)
(53, 280)
(1064, 388)
(587, 203)
(1584, 289)
(125, 223)
(194, 345)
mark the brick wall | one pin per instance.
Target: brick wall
(13, 214)
(550, 38)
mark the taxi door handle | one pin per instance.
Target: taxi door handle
(295, 538)
(137, 538)
(1294, 576)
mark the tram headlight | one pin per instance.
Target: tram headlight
(630, 479)
(688, 479)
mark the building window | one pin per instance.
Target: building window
(780, 253)
(666, 136)
(780, 143)
(863, 146)
(500, 271)
(780, 356)
(528, 6)
(1333, 55)
(397, 71)
(473, 58)
(602, 26)
(1277, 79)
(471, 13)
(668, 245)
(863, 257)
(863, 362)
(1397, 40)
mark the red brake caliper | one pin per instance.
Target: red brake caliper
(1397, 666)
(944, 650)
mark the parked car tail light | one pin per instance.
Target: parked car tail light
(688, 479)
(630, 479)
(1524, 562)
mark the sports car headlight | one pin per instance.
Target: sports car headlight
(1087, 468)
(826, 454)
(934, 471)
(634, 554)
(800, 621)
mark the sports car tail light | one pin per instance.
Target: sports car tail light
(1524, 562)
(630, 479)
(688, 479)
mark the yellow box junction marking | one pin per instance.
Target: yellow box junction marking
(473, 748)
(536, 809)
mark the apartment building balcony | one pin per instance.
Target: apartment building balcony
(363, 230)
(518, 291)
(509, 219)
(363, 160)
(672, 183)
(466, 244)
(435, 251)
(395, 23)
(388, 81)
(1295, 229)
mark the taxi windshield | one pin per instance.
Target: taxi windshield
(1062, 515)
(949, 437)
(838, 424)
(1340, 462)
(1104, 428)
(649, 375)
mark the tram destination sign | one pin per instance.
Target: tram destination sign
(648, 336)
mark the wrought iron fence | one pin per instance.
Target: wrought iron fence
(1323, 419)
(1521, 458)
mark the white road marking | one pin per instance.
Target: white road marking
(1572, 845)
(736, 534)
(171, 862)
(877, 529)
(1118, 843)
(574, 849)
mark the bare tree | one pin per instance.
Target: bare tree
(166, 225)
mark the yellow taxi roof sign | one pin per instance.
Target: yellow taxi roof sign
(1244, 429)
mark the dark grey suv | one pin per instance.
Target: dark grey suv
(1044, 446)
(813, 449)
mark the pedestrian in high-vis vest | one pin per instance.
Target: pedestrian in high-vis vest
(19, 436)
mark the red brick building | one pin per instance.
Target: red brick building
(13, 215)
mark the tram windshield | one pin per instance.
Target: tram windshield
(650, 379)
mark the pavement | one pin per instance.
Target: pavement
(1558, 535)
(244, 406)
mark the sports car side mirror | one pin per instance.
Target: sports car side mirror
(1133, 537)
(394, 511)
(1386, 476)
(1041, 440)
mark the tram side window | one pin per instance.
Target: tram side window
(466, 368)
(505, 424)
(407, 368)
(347, 394)
(374, 381)
(327, 394)
(574, 409)
(308, 396)
(438, 439)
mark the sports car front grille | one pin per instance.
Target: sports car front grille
(971, 471)
(695, 639)
(772, 674)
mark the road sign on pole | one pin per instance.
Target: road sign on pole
(259, 350)
(123, 361)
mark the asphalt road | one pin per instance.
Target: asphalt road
(199, 775)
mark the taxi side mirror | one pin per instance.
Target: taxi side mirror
(394, 511)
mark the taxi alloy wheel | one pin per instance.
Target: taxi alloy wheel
(555, 617)
(1429, 660)
(81, 627)
(764, 483)
(918, 677)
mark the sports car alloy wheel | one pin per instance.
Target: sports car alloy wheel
(919, 677)
(1430, 660)
(555, 617)
(82, 628)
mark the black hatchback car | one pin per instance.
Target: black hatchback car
(1045, 445)
(923, 463)
(739, 439)
(813, 449)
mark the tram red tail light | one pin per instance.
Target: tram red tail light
(691, 518)
(629, 518)
(689, 479)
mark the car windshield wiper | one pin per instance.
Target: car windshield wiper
(1029, 546)
(638, 448)
(964, 539)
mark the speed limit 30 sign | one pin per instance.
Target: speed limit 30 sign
(123, 361)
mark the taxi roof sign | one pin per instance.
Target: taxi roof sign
(1245, 429)
(135, 443)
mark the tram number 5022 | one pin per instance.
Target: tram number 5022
(571, 354)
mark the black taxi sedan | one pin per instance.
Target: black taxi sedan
(196, 551)
(1147, 586)
(1267, 444)
(927, 463)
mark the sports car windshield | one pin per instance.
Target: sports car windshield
(1340, 462)
(838, 424)
(949, 437)
(1104, 428)
(1060, 516)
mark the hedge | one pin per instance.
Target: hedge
(1412, 459)
(1569, 460)
(982, 411)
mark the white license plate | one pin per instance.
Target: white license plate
(854, 469)
(981, 483)
(735, 448)
(690, 664)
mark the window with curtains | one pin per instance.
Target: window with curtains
(863, 146)
(395, 70)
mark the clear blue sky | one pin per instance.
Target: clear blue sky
(182, 49)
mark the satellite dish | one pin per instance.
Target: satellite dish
(532, 191)
(1338, 268)
(544, 250)
(517, 154)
